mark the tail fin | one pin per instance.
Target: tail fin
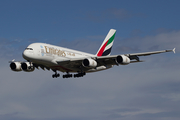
(106, 46)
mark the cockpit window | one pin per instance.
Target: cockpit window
(29, 49)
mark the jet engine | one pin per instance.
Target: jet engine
(15, 66)
(88, 62)
(122, 59)
(27, 67)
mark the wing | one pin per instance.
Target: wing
(76, 64)
(150, 53)
(133, 57)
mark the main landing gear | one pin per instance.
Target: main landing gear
(69, 75)
(75, 75)
(79, 75)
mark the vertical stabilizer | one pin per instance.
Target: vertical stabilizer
(107, 44)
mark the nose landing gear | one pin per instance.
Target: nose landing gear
(55, 75)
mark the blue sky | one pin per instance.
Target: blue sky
(148, 90)
(60, 19)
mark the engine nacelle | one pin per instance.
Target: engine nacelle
(27, 67)
(88, 62)
(16, 66)
(123, 60)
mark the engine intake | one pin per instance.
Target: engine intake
(88, 62)
(122, 59)
(15, 66)
(27, 67)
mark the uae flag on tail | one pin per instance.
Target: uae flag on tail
(107, 44)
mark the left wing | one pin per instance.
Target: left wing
(108, 60)
(135, 55)
(150, 53)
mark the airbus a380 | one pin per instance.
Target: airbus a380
(71, 61)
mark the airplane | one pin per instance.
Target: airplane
(66, 60)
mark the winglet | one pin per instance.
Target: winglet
(174, 50)
(12, 61)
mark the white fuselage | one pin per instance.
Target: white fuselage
(48, 55)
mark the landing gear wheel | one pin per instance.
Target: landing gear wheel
(79, 74)
(55, 75)
(67, 76)
(58, 75)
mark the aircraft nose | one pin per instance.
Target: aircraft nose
(25, 54)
